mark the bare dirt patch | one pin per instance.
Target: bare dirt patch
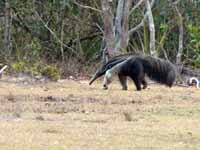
(73, 115)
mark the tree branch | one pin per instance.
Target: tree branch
(136, 6)
(54, 34)
(89, 37)
(20, 20)
(87, 7)
(141, 24)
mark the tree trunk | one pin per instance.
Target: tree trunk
(118, 24)
(62, 40)
(125, 24)
(180, 47)
(116, 33)
(122, 24)
(108, 26)
(7, 32)
(151, 29)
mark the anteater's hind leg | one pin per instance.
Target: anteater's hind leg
(123, 81)
(171, 76)
(144, 83)
(137, 82)
(137, 75)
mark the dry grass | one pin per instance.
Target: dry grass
(72, 115)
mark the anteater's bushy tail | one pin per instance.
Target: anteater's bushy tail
(159, 70)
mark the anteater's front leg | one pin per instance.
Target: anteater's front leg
(123, 81)
(107, 79)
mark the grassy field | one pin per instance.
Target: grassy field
(70, 115)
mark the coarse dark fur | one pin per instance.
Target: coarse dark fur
(136, 67)
(112, 62)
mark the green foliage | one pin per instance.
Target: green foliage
(163, 28)
(50, 72)
(64, 21)
(25, 67)
(34, 48)
(194, 43)
(37, 69)
(19, 66)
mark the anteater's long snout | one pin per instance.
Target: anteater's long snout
(95, 76)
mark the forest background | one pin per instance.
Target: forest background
(60, 38)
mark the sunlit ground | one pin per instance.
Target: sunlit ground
(71, 115)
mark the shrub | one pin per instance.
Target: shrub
(194, 32)
(37, 69)
(50, 72)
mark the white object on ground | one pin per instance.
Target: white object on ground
(192, 79)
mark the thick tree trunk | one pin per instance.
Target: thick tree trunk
(7, 32)
(116, 33)
(108, 26)
(151, 29)
(118, 24)
(180, 47)
(125, 24)
(122, 24)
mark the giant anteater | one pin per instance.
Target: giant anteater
(137, 66)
